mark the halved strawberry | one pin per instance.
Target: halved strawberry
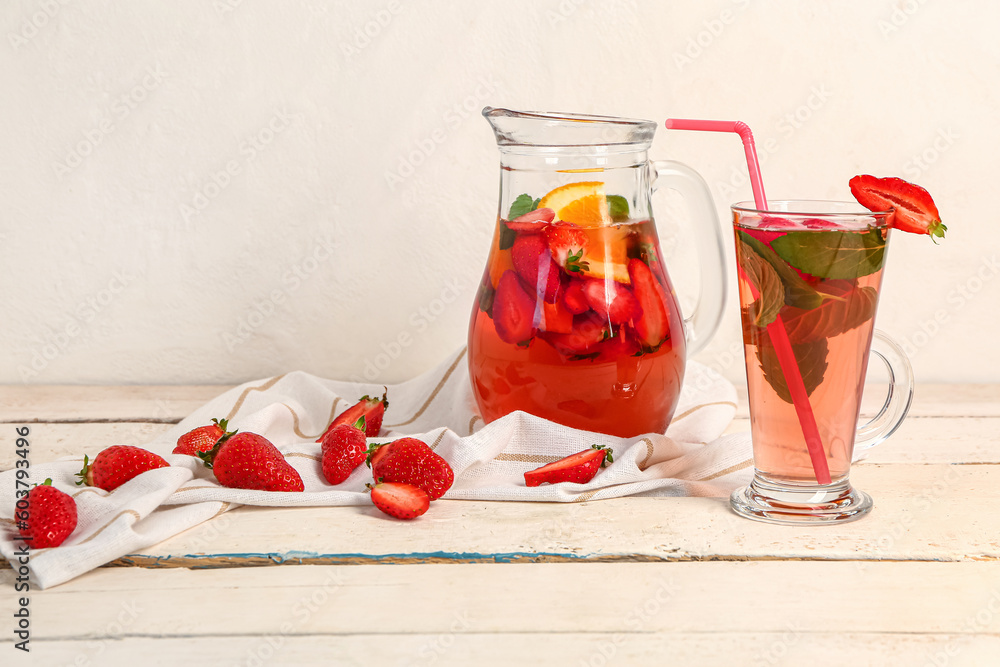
(403, 501)
(914, 208)
(513, 310)
(534, 221)
(588, 330)
(533, 262)
(567, 243)
(372, 409)
(651, 327)
(578, 468)
(574, 297)
(611, 300)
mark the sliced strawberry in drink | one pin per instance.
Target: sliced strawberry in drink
(611, 300)
(587, 332)
(574, 298)
(555, 317)
(567, 243)
(652, 327)
(513, 310)
(819, 223)
(533, 262)
(915, 210)
(534, 221)
(620, 346)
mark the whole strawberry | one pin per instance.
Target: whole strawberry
(250, 461)
(202, 438)
(372, 409)
(49, 518)
(344, 449)
(118, 464)
(410, 461)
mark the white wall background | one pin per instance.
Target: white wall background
(198, 192)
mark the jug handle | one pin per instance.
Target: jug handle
(701, 324)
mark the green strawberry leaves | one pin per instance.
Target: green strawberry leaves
(575, 263)
(832, 254)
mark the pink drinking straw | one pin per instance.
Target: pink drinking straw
(776, 329)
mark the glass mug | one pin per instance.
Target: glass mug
(576, 319)
(810, 274)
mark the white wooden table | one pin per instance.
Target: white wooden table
(629, 581)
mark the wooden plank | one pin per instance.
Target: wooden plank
(688, 597)
(931, 440)
(922, 512)
(171, 403)
(463, 647)
(52, 441)
(147, 403)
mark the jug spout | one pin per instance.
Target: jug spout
(551, 129)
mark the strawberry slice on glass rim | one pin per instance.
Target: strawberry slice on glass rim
(915, 210)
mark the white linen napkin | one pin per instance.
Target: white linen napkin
(292, 410)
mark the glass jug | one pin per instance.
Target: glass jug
(576, 319)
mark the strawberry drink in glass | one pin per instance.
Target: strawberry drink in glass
(810, 274)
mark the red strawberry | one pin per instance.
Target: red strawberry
(410, 461)
(611, 301)
(48, 517)
(118, 464)
(618, 348)
(588, 331)
(574, 298)
(915, 210)
(250, 461)
(534, 264)
(513, 310)
(534, 221)
(652, 328)
(567, 243)
(202, 438)
(344, 449)
(403, 501)
(578, 468)
(372, 409)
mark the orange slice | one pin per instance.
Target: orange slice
(583, 204)
(606, 253)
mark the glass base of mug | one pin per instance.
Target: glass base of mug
(766, 500)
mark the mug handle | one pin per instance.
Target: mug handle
(897, 400)
(702, 323)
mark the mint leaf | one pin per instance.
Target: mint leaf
(770, 292)
(523, 204)
(507, 236)
(617, 208)
(798, 293)
(832, 254)
(811, 359)
(848, 309)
